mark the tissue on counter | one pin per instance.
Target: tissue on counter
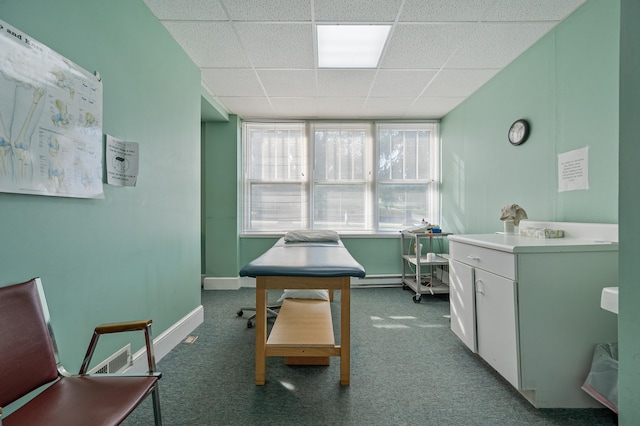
(542, 233)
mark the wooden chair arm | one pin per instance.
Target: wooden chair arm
(118, 327)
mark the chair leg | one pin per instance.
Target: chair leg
(271, 311)
(157, 414)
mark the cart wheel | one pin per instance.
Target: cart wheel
(239, 313)
(249, 324)
(417, 298)
(404, 286)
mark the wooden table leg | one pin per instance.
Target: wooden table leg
(345, 331)
(261, 331)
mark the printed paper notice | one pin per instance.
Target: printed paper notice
(573, 170)
(122, 162)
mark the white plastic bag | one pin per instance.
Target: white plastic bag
(602, 381)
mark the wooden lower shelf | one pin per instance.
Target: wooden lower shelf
(303, 323)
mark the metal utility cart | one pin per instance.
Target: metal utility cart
(422, 282)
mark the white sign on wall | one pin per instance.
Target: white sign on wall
(122, 162)
(573, 170)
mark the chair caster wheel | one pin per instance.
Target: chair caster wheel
(249, 324)
(239, 313)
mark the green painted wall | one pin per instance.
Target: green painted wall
(378, 256)
(221, 148)
(135, 254)
(566, 85)
(629, 318)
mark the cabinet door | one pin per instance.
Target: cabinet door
(462, 303)
(497, 322)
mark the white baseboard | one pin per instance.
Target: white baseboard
(169, 339)
(221, 283)
(247, 282)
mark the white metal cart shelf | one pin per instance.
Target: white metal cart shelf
(419, 280)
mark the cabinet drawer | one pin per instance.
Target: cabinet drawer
(495, 261)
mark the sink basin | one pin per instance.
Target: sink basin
(609, 299)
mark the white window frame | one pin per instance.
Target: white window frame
(433, 215)
(367, 178)
(248, 181)
(371, 182)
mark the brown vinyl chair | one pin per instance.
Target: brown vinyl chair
(29, 360)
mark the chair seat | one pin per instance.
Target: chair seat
(73, 400)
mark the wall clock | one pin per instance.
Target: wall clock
(519, 132)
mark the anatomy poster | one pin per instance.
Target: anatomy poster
(50, 121)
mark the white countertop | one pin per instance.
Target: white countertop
(514, 243)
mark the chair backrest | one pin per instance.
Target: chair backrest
(28, 356)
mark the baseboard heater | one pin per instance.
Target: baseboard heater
(116, 363)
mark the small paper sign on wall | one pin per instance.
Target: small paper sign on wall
(573, 170)
(122, 162)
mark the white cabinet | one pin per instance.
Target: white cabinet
(496, 317)
(462, 300)
(483, 310)
(530, 308)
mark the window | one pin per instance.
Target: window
(340, 182)
(275, 162)
(320, 175)
(408, 170)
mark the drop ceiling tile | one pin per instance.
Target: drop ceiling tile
(193, 10)
(443, 10)
(232, 82)
(424, 45)
(345, 82)
(288, 82)
(386, 107)
(401, 83)
(356, 10)
(271, 10)
(250, 107)
(340, 107)
(458, 83)
(295, 107)
(251, 49)
(495, 45)
(277, 45)
(432, 107)
(527, 10)
(209, 44)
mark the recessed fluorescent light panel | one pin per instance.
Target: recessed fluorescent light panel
(351, 46)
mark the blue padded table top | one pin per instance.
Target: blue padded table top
(305, 259)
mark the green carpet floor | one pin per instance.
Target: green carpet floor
(407, 368)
